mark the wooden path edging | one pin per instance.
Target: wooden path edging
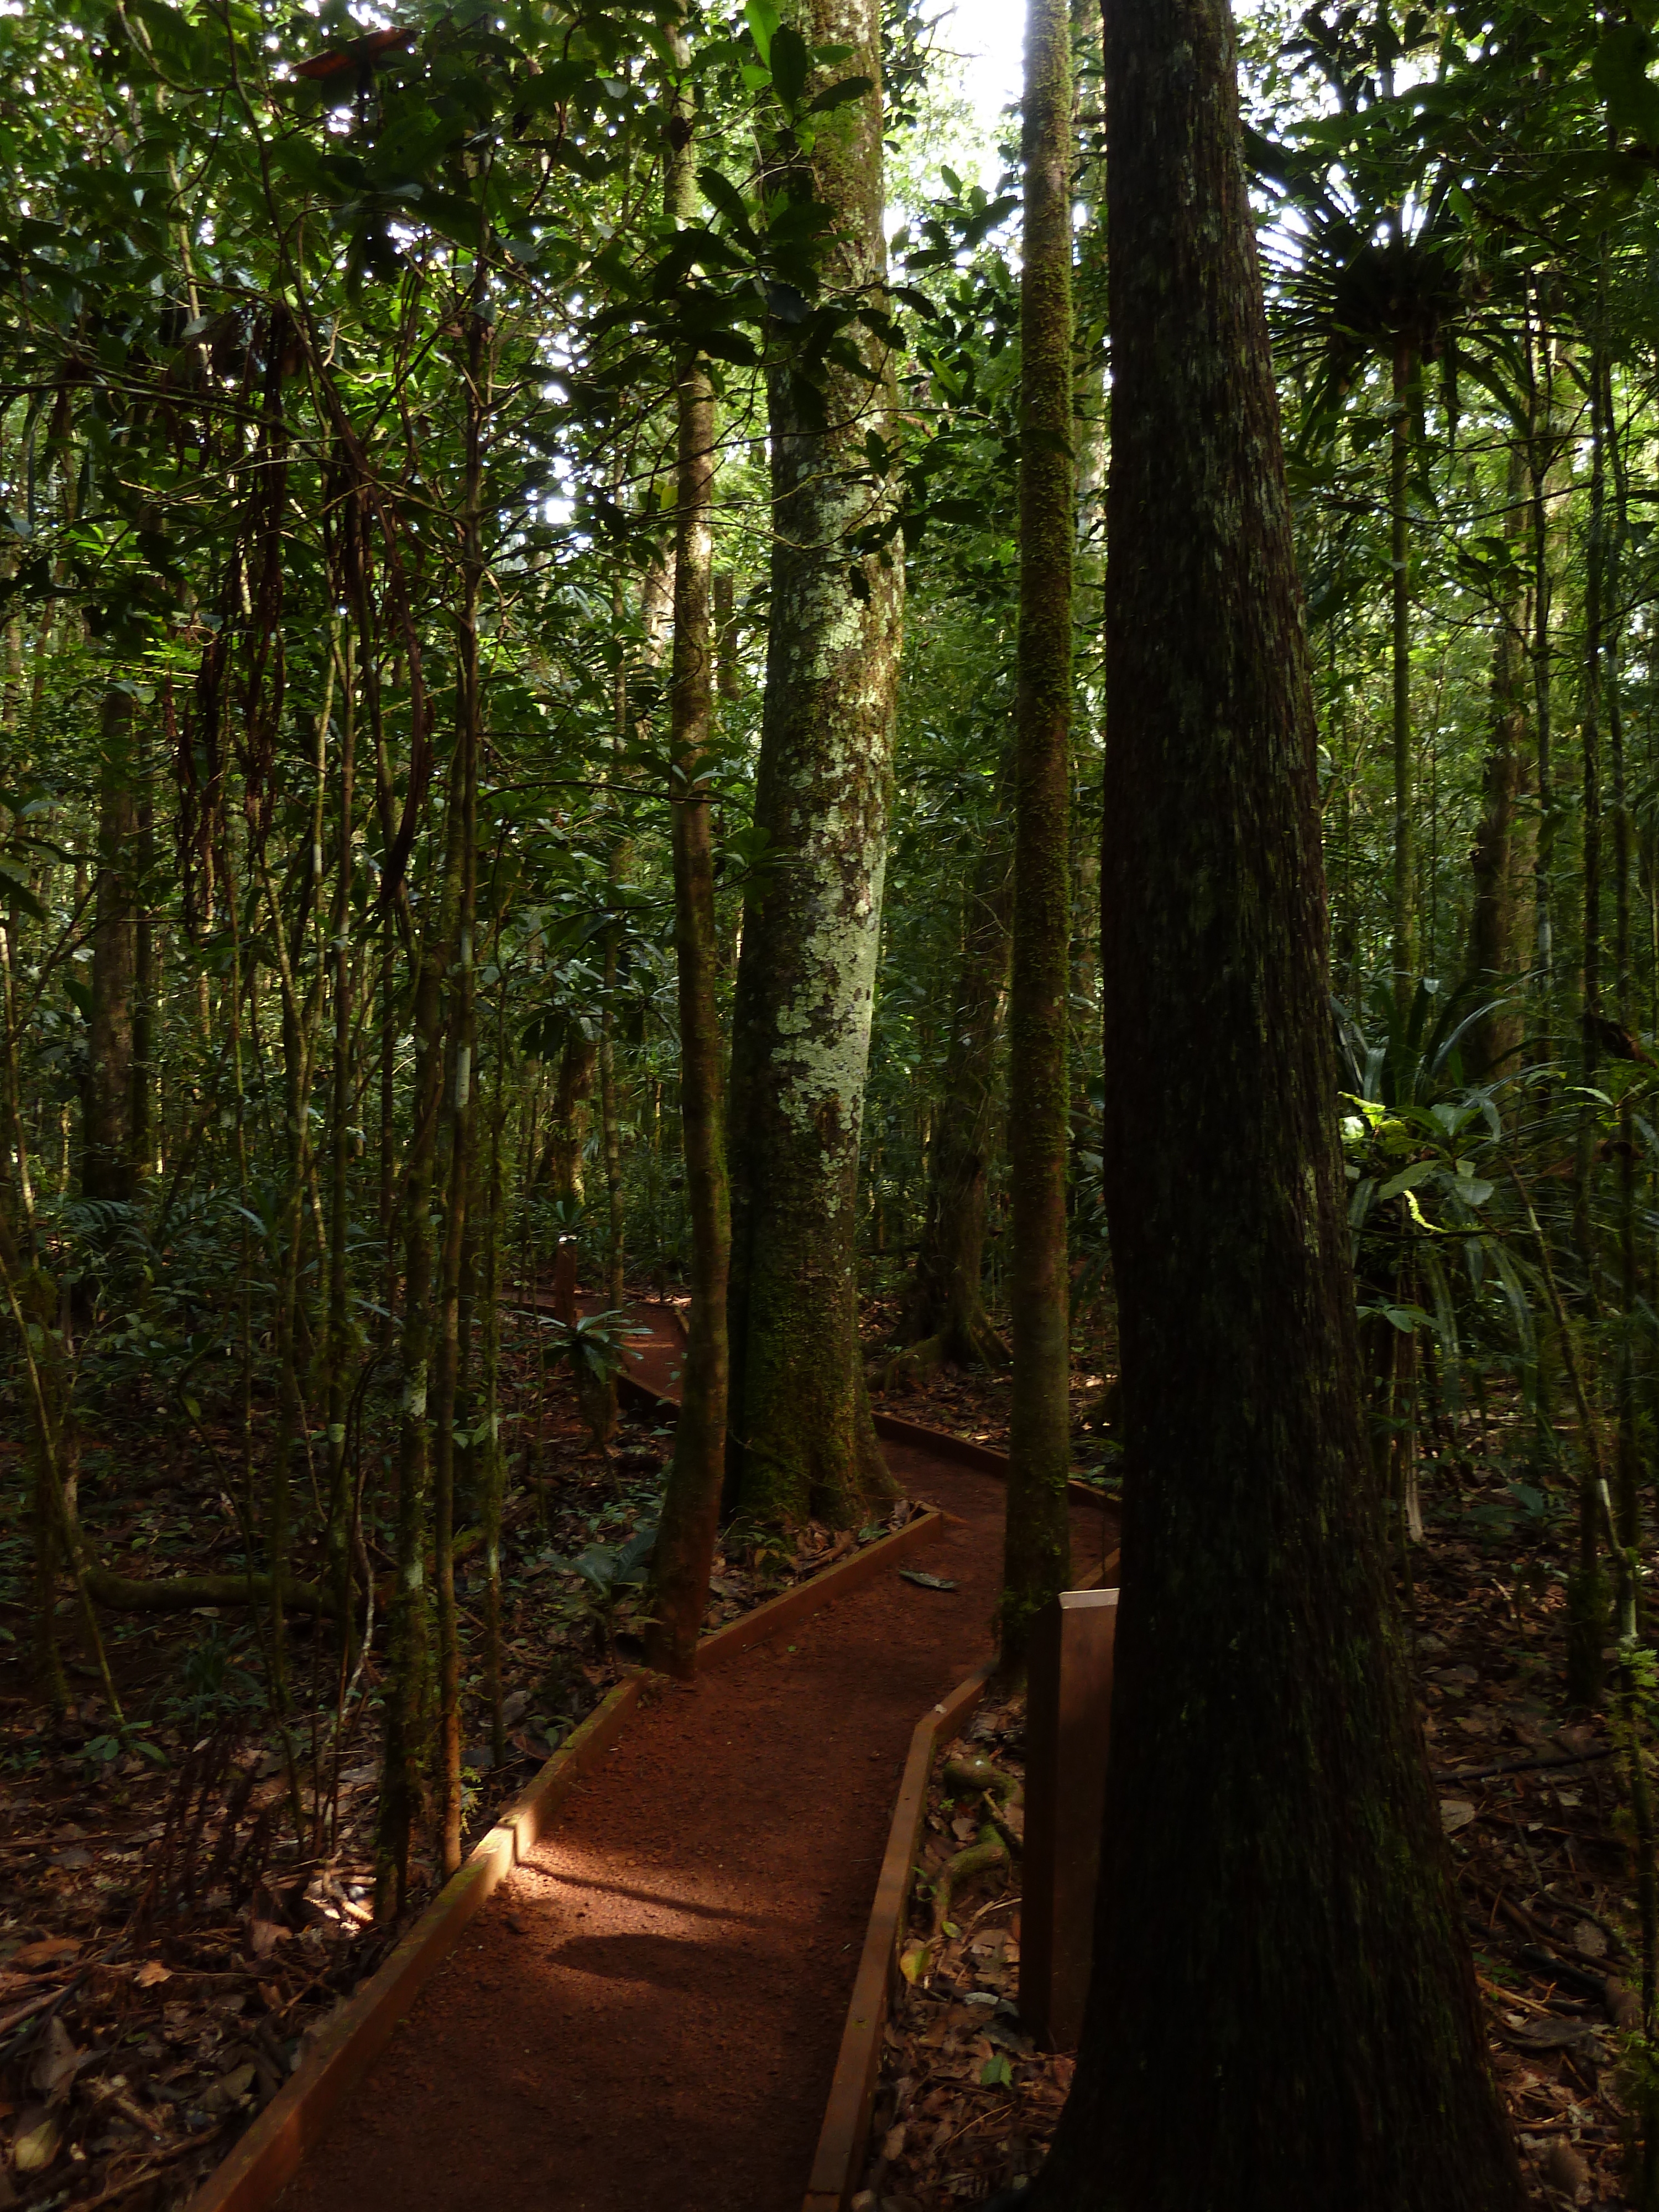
(846, 2127)
(260, 2165)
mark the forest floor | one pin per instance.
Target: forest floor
(167, 1942)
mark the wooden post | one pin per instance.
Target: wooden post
(565, 1308)
(1067, 1728)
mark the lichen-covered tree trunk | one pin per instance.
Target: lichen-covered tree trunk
(1037, 1553)
(802, 1436)
(107, 1166)
(1500, 914)
(1284, 2012)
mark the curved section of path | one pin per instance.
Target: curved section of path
(645, 2016)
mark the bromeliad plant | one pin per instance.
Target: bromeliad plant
(594, 1347)
(1423, 1152)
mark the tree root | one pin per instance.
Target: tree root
(965, 1340)
(989, 1851)
(973, 1773)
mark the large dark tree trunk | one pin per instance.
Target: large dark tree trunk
(1283, 2011)
(800, 1423)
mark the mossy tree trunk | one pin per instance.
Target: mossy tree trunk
(1036, 1544)
(1284, 2013)
(806, 975)
(691, 1500)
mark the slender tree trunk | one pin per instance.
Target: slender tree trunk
(1037, 1545)
(945, 1316)
(1503, 859)
(106, 1161)
(568, 1121)
(145, 1070)
(493, 1487)
(337, 1322)
(463, 1032)
(408, 1704)
(691, 1500)
(1283, 2011)
(1629, 1455)
(803, 1438)
(1587, 1584)
(1404, 916)
(1541, 473)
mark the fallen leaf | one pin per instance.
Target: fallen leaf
(264, 1936)
(229, 2089)
(36, 2142)
(893, 2142)
(1563, 2169)
(924, 1580)
(54, 2068)
(50, 1951)
(1456, 1812)
(1589, 1938)
(916, 1960)
(152, 1974)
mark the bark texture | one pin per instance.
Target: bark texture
(806, 975)
(1283, 2013)
(1037, 1549)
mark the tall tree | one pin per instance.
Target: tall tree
(1037, 1552)
(691, 1500)
(803, 1437)
(1285, 2012)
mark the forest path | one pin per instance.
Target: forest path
(645, 2016)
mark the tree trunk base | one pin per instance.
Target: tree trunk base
(965, 1340)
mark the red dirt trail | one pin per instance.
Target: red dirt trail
(644, 2017)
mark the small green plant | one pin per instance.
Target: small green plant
(611, 1577)
(214, 1682)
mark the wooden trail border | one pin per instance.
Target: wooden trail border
(840, 2154)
